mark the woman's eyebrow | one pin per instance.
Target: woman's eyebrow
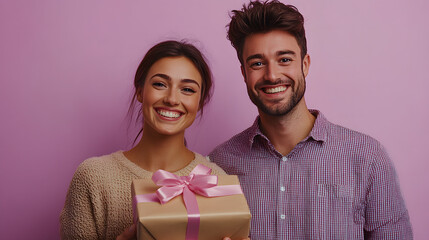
(186, 80)
(168, 78)
(161, 75)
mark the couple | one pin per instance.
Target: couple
(303, 177)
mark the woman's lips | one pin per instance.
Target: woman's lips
(169, 113)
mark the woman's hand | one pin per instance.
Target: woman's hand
(128, 234)
(227, 238)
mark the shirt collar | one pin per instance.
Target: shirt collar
(254, 131)
(318, 133)
(320, 127)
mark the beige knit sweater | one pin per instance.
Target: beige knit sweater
(98, 203)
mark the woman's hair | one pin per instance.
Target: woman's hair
(172, 49)
(262, 17)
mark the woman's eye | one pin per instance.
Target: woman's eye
(189, 90)
(158, 84)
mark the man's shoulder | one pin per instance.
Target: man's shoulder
(337, 134)
(236, 144)
(343, 136)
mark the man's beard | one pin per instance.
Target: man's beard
(281, 109)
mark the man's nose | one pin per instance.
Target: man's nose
(272, 72)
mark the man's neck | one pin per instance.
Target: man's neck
(285, 132)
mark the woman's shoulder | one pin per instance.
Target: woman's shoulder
(100, 161)
(95, 167)
(200, 159)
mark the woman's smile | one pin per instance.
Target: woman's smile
(171, 95)
(167, 114)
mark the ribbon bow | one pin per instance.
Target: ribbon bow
(198, 182)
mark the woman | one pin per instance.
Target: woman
(172, 83)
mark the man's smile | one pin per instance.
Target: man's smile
(274, 89)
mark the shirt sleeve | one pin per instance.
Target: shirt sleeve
(216, 170)
(77, 219)
(386, 216)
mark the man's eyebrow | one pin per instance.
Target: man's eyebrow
(254, 56)
(168, 78)
(286, 52)
(278, 53)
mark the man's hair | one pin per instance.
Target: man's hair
(262, 17)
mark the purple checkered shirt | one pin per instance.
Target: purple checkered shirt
(335, 184)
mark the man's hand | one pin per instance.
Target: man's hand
(128, 234)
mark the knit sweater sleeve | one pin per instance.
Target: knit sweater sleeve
(77, 220)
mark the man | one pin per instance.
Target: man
(303, 176)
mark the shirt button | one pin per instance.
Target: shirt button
(283, 216)
(282, 189)
(284, 159)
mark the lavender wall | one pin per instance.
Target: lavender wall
(66, 70)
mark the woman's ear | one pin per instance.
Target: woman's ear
(139, 95)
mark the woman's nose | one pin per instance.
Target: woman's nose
(172, 98)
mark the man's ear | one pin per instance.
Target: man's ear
(243, 72)
(306, 65)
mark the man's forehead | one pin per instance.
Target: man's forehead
(270, 43)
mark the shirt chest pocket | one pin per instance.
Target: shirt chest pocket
(334, 211)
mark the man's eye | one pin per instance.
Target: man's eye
(256, 64)
(285, 60)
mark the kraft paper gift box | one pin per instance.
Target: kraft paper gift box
(223, 216)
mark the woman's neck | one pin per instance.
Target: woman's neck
(156, 151)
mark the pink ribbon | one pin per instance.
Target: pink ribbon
(198, 182)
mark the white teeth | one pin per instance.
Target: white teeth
(169, 114)
(275, 90)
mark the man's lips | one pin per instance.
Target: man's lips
(278, 86)
(274, 89)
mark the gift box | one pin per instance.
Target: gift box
(223, 212)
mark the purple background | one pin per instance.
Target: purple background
(66, 72)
